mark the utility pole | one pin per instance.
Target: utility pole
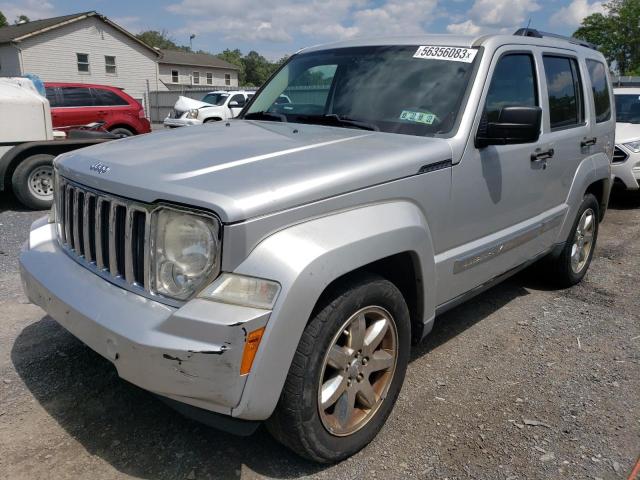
(191, 37)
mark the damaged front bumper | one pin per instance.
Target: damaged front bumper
(191, 354)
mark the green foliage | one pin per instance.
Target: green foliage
(616, 33)
(161, 39)
(21, 19)
(254, 68)
(3, 20)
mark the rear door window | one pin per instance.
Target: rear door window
(108, 98)
(600, 89)
(566, 105)
(77, 97)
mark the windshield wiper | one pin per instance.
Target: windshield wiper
(337, 120)
(264, 115)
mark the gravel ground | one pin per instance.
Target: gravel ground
(521, 382)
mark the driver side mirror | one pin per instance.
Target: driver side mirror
(234, 104)
(514, 125)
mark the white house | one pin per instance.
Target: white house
(84, 48)
(178, 70)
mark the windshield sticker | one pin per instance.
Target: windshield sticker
(451, 54)
(419, 117)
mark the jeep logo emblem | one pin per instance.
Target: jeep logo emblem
(99, 167)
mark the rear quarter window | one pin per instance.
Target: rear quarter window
(600, 90)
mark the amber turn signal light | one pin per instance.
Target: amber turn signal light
(250, 350)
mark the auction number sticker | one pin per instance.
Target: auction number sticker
(451, 54)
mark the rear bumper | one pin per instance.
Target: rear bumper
(191, 354)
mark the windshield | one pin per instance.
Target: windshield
(628, 108)
(394, 89)
(215, 98)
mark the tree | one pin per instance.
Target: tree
(616, 34)
(254, 68)
(22, 19)
(161, 40)
(3, 20)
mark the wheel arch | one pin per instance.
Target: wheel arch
(127, 126)
(13, 157)
(308, 258)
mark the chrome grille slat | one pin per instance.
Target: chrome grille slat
(98, 230)
(128, 246)
(113, 259)
(85, 227)
(106, 233)
(619, 155)
(67, 193)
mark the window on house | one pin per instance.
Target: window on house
(196, 78)
(175, 76)
(209, 78)
(227, 79)
(566, 106)
(83, 62)
(110, 64)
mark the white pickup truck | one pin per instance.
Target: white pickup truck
(215, 106)
(28, 143)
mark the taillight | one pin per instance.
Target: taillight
(141, 113)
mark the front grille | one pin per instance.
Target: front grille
(108, 233)
(176, 113)
(619, 155)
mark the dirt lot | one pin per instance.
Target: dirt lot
(522, 382)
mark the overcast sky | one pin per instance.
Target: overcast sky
(277, 27)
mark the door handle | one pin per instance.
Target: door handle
(587, 142)
(540, 155)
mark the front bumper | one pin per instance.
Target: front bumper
(181, 122)
(191, 354)
(628, 171)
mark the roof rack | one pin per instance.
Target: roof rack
(531, 32)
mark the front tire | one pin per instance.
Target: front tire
(347, 371)
(570, 267)
(32, 181)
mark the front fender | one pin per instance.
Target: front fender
(305, 259)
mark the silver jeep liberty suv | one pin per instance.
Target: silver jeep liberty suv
(277, 267)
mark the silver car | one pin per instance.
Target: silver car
(277, 267)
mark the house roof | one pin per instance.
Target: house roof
(177, 57)
(16, 33)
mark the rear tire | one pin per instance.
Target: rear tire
(122, 132)
(32, 181)
(328, 411)
(570, 267)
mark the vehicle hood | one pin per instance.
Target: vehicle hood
(627, 132)
(242, 169)
(185, 103)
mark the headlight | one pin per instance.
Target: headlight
(192, 113)
(633, 146)
(186, 252)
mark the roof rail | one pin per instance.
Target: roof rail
(531, 32)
